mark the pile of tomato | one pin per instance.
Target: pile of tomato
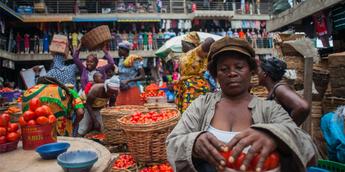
(38, 114)
(152, 90)
(6, 89)
(149, 117)
(271, 162)
(124, 161)
(165, 167)
(9, 132)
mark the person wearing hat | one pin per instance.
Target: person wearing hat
(91, 68)
(97, 98)
(270, 73)
(234, 119)
(192, 82)
(130, 70)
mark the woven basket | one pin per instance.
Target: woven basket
(160, 99)
(96, 38)
(155, 106)
(6, 147)
(115, 134)
(133, 168)
(288, 50)
(146, 142)
(321, 79)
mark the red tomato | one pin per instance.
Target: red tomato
(12, 127)
(51, 119)
(34, 103)
(226, 153)
(40, 111)
(239, 161)
(32, 123)
(42, 120)
(2, 139)
(28, 115)
(19, 133)
(272, 161)
(21, 121)
(46, 110)
(12, 136)
(254, 163)
(4, 120)
(3, 131)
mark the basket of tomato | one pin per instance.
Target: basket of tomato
(114, 133)
(124, 162)
(9, 134)
(38, 125)
(146, 133)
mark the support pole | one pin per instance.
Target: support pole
(308, 82)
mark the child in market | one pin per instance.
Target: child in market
(97, 78)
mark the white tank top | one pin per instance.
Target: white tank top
(224, 136)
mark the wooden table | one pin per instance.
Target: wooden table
(21, 160)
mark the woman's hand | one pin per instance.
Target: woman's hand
(207, 147)
(259, 142)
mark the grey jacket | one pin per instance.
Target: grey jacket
(294, 144)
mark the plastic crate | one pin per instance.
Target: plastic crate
(331, 165)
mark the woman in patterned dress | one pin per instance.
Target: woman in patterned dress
(64, 102)
(193, 65)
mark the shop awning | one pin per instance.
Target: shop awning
(94, 19)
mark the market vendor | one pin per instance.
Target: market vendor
(130, 71)
(97, 99)
(192, 82)
(270, 73)
(235, 119)
(64, 102)
(91, 68)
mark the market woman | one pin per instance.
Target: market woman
(91, 68)
(270, 73)
(193, 64)
(64, 102)
(130, 71)
(235, 119)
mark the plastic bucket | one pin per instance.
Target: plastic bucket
(35, 136)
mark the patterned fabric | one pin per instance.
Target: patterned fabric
(192, 83)
(194, 62)
(126, 73)
(188, 90)
(61, 104)
(66, 74)
(129, 61)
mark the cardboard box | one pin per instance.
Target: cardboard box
(59, 45)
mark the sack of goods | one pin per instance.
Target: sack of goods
(59, 45)
(96, 38)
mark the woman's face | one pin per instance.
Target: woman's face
(91, 63)
(233, 74)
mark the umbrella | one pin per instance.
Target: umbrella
(174, 45)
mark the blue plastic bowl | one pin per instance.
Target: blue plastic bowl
(52, 150)
(77, 161)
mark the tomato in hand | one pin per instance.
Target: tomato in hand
(21, 121)
(34, 103)
(12, 127)
(42, 120)
(32, 123)
(272, 161)
(28, 115)
(226, 153)
(2, 139)
(3, 131)
(12, 136)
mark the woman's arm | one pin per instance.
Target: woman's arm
(290, 100)
(109, 59)
(77, 60)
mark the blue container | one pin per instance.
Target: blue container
(316, 169)
(52, 150)
(77, 161)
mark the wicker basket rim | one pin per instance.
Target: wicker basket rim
(156, 125)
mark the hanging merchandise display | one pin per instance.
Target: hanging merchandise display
(338, 17)
(321, 28)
